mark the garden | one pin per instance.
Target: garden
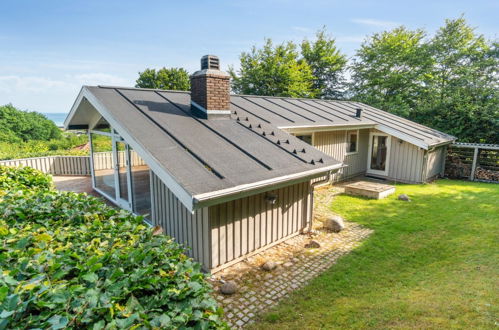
(67, 260)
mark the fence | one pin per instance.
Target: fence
(55, 165)
(74, 165)
(473, 161)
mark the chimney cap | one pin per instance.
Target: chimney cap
(210, 62)
(358, 113)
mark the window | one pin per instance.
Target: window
(307, 138)
(352, 141)
(102, 154)
(141, 189)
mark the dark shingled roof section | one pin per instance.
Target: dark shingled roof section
(208, 155)
(292, 112)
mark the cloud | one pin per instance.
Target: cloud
(302, 29)
(100, 79)
(351, 39)
(36, 84)
(14, 83)
(375, 22)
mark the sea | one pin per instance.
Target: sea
(56, 117)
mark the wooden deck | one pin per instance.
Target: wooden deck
(369, 189)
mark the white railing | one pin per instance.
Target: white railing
(74, 165)
(55, 165)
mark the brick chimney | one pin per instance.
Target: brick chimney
(210, 90)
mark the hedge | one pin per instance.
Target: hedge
(69, 261)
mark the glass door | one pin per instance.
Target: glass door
(122, 173)
(379, 154)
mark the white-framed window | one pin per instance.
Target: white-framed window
(307, 138)
(352, 141)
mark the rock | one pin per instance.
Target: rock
(334, 223)
(288, 264)
(312, 245)
(269, 265)
(228, 288)
(404, 197)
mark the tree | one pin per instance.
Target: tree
(17, 125)
(164, 78)
(463, 85)
(327, 63)
(389, 69)
(273, 71)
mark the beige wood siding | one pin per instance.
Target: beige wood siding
(190, 230)
(334, 144)
(435, 162)
(55, 165)
(406, 162)
(251, 224)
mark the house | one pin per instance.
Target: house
(231, 175)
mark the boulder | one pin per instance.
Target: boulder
(228, 288)
(312, 245)
(288, 264)
(334, 223)
(404, 197)
(269, 266)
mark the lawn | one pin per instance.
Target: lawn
(431, 263)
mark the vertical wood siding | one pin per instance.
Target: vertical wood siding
(190, 230)
(435, 162)
(406, 162)
(250, 224)
(334, 144)
(55, 165)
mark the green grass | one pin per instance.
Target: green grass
(431, 263)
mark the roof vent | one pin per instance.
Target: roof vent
(210, 62)
(358, 114)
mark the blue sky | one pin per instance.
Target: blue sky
(49, 49)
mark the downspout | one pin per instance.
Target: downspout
(311, 209)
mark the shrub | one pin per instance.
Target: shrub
(26, 125)
(70, 261)
(35, 148)
(13, 178)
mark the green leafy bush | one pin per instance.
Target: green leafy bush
(13, 178)
(18, 125)
(65, 145)
(69, 261)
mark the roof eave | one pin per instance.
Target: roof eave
(220, 196)
(326, 127)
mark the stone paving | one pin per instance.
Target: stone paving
(260, 290)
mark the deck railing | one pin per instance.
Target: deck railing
(74, 165)
(55, 165)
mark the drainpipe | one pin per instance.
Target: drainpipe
(312, 186)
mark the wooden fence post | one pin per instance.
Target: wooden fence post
(473, 166)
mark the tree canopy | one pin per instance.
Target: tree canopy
(389, 70)
(275, 70)
(164, 78)
(448, 82)
(17, 126)
(327, 64)
(313, 70)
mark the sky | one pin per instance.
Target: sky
(49, 49)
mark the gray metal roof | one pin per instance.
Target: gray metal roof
(291, 113)
(206, 158)
(203, 156)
